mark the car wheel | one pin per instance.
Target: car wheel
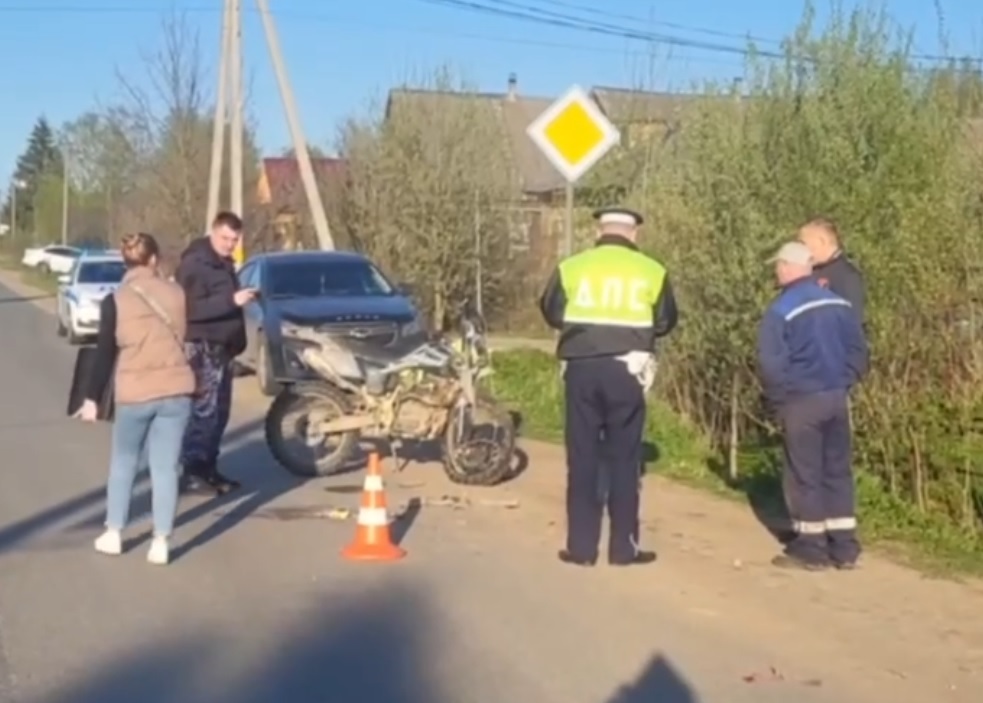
(62, 331)
(44, 268)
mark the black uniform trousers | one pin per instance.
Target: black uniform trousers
(605, 419)
(818, 479)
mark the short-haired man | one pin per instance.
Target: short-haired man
(831, 267)
(216, 335)
(811, 351)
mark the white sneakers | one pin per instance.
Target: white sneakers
(159, 553)
(110, 543)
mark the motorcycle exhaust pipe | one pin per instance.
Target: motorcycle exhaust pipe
(348, 423)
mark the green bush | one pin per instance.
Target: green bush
(846, 127)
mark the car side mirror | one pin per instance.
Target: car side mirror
(64, 279)
(407, 289)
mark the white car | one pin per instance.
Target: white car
(81, 290)
(53, 258)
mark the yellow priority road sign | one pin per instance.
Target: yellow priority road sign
(573, 134)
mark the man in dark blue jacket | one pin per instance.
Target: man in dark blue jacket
(216, 335)
(811, 351)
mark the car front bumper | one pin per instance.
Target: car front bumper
(85, 320)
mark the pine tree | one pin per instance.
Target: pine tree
(41, 158)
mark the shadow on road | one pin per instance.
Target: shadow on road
(761, 485)
(369, 648)
(374, 646)
(263, 481)
(24, 298)
(658, 683)
(21, 531)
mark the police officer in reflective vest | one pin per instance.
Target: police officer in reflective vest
(610, 304)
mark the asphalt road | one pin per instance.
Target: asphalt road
(259, 608)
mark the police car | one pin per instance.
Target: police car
(81, 290)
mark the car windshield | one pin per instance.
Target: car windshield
(312, 279)
(101, 272)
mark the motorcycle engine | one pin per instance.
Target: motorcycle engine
(417, 419)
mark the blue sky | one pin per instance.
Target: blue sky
(58, 57)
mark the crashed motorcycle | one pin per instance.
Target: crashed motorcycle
(338, 389)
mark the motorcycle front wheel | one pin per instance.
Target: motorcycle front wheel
(292, 430)
(479, 443)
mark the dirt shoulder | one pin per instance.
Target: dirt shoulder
(882, 617)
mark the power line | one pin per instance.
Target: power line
(580, 24)
(524, 12)
(657, 23)
(401, 28)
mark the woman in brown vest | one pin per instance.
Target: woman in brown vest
(141, 336)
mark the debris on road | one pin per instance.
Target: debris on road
(344, 489)
(771, 676)
(303, 513)
(462, 502)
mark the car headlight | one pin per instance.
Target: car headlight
(414, 326)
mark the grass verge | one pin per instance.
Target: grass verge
(31, 277)
(528, 382)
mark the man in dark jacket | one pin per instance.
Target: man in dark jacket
(811, 351)
(216, 335)
(831, 268)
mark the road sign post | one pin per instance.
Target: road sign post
(573, 134)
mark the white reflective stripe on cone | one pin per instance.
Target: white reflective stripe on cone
(373, 483)
(841, 523)
(373, 517)
(809, 528)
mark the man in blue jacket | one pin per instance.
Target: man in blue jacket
(216, 335)
(811, 351)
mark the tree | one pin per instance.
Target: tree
(146, 156)
(40, 161)
(417, 182)
(846, 127)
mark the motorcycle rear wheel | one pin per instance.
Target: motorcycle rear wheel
(305, 399)
(475, 462)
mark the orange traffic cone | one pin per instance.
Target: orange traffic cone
(372, 541)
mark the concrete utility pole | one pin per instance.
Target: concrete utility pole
(235, 81)
(64, 196)
(235, 147)
(296, 133)
(218, 126)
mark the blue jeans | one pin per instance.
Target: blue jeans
(151, 430)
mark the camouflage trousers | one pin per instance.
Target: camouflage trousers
(210, 411)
